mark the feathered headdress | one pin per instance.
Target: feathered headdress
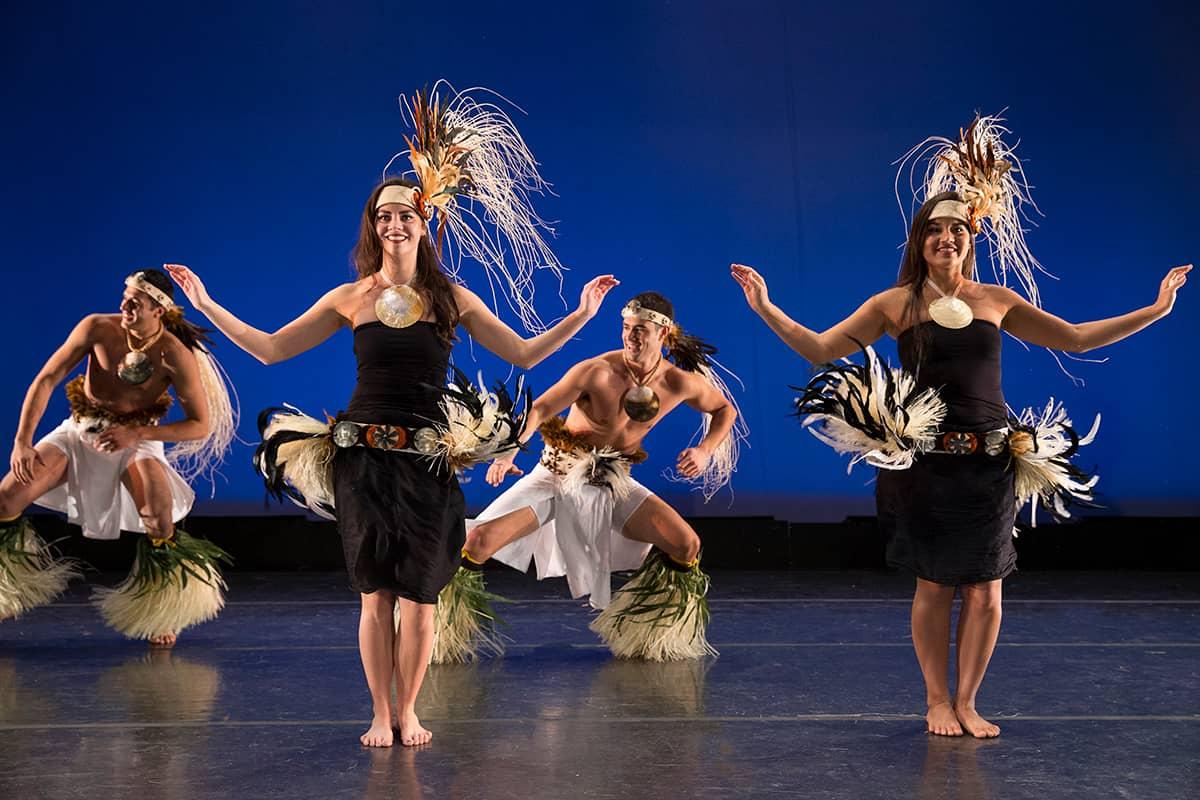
(476, 176)
(985, 171)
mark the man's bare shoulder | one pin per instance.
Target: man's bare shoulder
(175, 351)
(682, 379)
(597, 367)
(100, 324)
(612, 361)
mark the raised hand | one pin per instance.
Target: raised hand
(753, 285)
(500, 469)
(1174, 279)
(190, 283)
(594, 292)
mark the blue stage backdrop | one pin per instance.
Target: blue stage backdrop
(242, 139)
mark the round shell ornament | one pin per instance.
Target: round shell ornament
(399, 306)
(135, 368)
(425, 441)
(640, 403)
(950, 312)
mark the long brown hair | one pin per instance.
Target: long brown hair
(430, 281)
(914, 272)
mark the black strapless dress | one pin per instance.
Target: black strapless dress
(949, 518)
(402, 524)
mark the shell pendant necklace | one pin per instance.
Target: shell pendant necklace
(641, 402)
(399, 305)
(136, 367)
(949, 311)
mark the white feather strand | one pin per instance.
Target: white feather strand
(1043, 474)
(203, 457)
(494, 220)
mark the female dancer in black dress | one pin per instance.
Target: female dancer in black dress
(950, 517)
(401, 522)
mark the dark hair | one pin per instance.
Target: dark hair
(430, 281)
(689, 352)
(193, 336)
(655, 302)
(914, 271)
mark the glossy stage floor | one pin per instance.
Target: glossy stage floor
(1096, 683)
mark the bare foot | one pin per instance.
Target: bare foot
(163, 640)
(411, 732)
(976, 725)
(941, 721)
(379, 734)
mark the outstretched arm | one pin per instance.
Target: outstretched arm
(1031, 324)
(502, 340)
(706, 399)
(305, 332)
(866, 325)
(65, 359)
(553, 401)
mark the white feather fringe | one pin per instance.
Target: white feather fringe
(723, 463)
(203, 457)
(467, 439)
(909, 424)
(30, 575)
(307, 463)
(604, 467)
(1043, 473)
(495, 219)
(169, 607)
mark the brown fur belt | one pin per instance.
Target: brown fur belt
(555, 434)
(83, 407)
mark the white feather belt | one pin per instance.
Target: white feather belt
(592, 467)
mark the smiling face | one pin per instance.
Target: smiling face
(642, 340)
(947, 245)
(399, 229)
(138, 312)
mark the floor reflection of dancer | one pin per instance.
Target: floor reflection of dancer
(106, 467)
(401, 521)
(582, 513)
(950, 514)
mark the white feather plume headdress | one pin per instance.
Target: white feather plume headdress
(983, 168)
(477, 177)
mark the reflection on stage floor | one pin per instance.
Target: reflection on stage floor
(816, 693)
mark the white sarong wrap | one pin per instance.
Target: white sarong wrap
(93, 496)
(579, 533)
